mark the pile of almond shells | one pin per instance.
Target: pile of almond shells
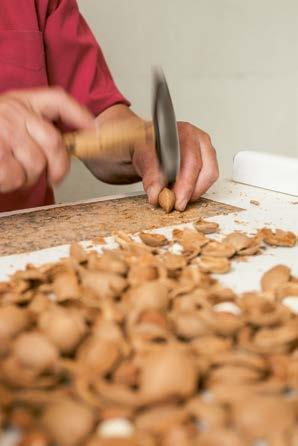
(143, 347)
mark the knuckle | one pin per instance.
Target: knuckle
(212, 175)
(206, 138)
(185, 129)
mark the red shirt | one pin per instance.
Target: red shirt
(47, 42)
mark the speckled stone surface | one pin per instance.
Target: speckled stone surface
(40, 229)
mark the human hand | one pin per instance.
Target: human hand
(29, 141)
(198, 169)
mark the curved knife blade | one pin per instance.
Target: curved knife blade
(165, 126)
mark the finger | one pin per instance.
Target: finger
(147, 166)
(12, 174)
(50, 141)
(30, 155)
(209, 173)
(190, 165)
(55, 104)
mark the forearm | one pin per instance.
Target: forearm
(114, 169)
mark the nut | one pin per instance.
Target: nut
(153, 240)
(167, 199)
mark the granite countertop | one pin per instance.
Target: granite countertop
(34, 230)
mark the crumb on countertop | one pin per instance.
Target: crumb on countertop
(255, 202)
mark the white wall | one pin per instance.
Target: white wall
(232, 67)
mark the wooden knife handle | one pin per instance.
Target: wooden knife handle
(116, 137)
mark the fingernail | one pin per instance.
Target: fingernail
(181, 204)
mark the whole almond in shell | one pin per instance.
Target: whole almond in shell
(166, 200)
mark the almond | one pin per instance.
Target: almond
(167, 199)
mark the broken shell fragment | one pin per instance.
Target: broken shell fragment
(68, 422)
(157, 380)
(275, 277)
(217, 265)
(63, 327)
(103, 284)
(153, 294)
(207, 227)
(160, 419)
(109, 262)
(190, 239)
(140, 273)
(167, 199)
(66, 286)
(222, 437)
(253, 416)
(35, 351)
(77, 252)
(211, 345)
(287, 289)
(13, 320)
(209, 415)
(278, 238)
(153, 240)
(230, 374)
(238, 240)
(99, 355)
(173, 262)
(221, 323)
(127, 374)
(218, 249)
(188, 325)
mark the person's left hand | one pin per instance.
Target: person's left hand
(198, 168)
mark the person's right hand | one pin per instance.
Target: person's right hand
(29, 141)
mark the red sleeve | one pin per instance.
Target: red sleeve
(75, 60)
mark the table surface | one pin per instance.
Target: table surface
(227, 203)
(54, 226)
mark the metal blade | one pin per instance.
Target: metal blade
(165, 126)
